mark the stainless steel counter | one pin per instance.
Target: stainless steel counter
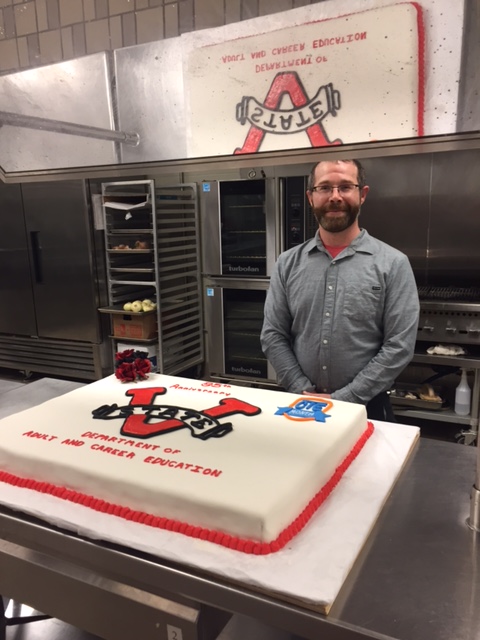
(418, 578)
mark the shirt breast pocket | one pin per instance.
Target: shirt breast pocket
(363, 304)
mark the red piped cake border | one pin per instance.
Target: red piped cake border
(232, 542)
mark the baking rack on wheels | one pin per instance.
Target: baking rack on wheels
(416, 578)
(152, 260)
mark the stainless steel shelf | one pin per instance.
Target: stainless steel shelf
(466, 362)
(128, 251)
(135, 340)
(143, 283)
(132, 269)
(126, 232)
(121, 311)
(470, 363)
(439, 416)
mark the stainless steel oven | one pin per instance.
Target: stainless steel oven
(239, 227)
(233, 321)
(247, 223)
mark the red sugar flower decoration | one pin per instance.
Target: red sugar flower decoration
(124, 356)
(143, 367)
(131, 364)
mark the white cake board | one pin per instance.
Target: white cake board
(310, 570)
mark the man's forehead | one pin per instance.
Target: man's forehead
(327, 166)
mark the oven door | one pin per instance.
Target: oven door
(233, 321)
(238, 227)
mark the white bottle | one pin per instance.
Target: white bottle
(463, 396)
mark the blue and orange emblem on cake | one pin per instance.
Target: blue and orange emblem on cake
(306, 408)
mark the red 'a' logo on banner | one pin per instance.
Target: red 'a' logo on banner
(307, 114)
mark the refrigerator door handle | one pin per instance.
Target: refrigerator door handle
(36, 255)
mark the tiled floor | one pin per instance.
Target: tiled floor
(49, 629)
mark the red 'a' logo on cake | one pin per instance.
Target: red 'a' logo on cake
(144, 419)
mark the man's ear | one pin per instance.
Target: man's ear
(363, 193)
(309, 197)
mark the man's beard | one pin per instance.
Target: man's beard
(336, 223)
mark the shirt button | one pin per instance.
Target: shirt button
(327, 314)
(325, 342)
(324, 367)
(333, 262)
(330, 287)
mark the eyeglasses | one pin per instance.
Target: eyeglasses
(343, 189)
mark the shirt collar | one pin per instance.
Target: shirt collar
(363, 243)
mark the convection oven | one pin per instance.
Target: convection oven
(239, 227)
(246, 224)
(233, 321)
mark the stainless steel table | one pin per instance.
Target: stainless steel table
(418, 578)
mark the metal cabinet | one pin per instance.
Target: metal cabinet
(18, 312)
(50, 287)
(152, 249)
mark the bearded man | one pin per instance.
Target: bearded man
(342, 309)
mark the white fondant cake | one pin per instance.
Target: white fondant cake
(241, 467)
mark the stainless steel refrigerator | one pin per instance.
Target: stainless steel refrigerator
(50, 280)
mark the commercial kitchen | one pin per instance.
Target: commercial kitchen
(120, 181)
